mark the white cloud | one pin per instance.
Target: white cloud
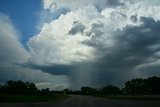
(87, 34)
(11, 50)
(54, 44)
(54, 5)
(13, 54)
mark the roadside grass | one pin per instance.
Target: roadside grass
(33, 98)
(138, 98)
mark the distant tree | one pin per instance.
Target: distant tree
(77, 92)
(134, 86)
(152, 85)
(32, 87)
(45, 91)
(110, 90)
(66, 91)
(143, 86)
(19, 87)
(1, 88)
(88, 90)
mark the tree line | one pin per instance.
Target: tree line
(138, 86)
(18, 87)
(149, 86)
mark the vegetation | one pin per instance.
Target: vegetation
(32, 98)
(18, 87)
(18, 91)
(110, 90)
(88, 91)
(150, 86)
(126, 97)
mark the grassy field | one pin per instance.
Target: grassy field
(33, 98)
(141, 98)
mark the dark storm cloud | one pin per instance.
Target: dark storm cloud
(113, 3)
(95, 25)
(56, 69)
(108, 4)
(134, 18)
(95, 30)
(132, 46)
(131, 49)
(80, 74)
(13, 73)
(24, 74)
(77, 28)
(148, 70)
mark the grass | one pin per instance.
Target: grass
(140, 98)
(33, 98)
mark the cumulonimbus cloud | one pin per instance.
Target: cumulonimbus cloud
(96, 43)
(107, 45)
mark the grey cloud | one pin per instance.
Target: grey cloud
(147, 71)
(11, 51)
(115, 64)
(77, 28)
(20, 73)
(95, 30)
(130, 49)
(131, 45)
(40, 78)
(13, 57)
(113, 3)
(100, 5)
(134, 18)
(96, 25)
(56, 69)
(108, 4)
(79, 74)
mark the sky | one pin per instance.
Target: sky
(61, 44)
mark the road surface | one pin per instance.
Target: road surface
(86, 101)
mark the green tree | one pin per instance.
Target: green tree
(88, 90)
(19, 87)
(110, 90)
(66, 91)
(152, 85)
(134, 86)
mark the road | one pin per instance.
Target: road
(86, 101)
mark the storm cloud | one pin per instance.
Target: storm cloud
(77, 28)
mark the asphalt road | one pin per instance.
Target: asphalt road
(86, 101)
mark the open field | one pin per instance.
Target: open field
(138, 97)
(32, 98)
